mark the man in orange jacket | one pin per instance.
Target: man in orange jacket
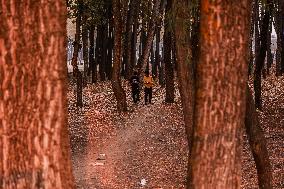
(148, 86)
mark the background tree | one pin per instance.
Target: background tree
(116, 82)
(34, 142)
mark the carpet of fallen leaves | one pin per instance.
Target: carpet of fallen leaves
(146, 147)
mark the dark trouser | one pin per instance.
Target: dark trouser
(148, 94)
(135, 94)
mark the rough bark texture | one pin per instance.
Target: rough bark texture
(116, 82)
(169, 69)
(220, 94)
(258, 144)
(34, 143)
(260, 58)
(185, 71)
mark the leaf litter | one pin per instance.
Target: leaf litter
(146, 147)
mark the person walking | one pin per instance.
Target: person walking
(148, 87)
(135, 87)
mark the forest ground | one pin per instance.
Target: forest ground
(146, 147)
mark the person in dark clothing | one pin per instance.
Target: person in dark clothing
(135, 87)
(148, 87)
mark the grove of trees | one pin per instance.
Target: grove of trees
(209, 47)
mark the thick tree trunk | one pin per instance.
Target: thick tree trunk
(257, 143)
(116, 82)
(220, 94)
(128, 35)
(99, 52)
(134, 39)
(261, 57)
(185, 72)
(169, 69)
(34, 141)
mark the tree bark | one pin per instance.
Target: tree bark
(128, 34)
(257, 143)
(185, 72)
(150, 35)
(259, 63)
(220, 94)
(169, 69)
(76, 44)
(34, 141)
(85, 47)
(116, 82)
(92, 67)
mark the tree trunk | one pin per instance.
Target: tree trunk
(85, 48)
(257, 143)
(261, 57)
(269, 57)
(220, 94)
(157, 52)
(185, 72)
(134, 38)
(281, 4)
(76, 44)
(169, 69)
(150, 35)
(128, 34)
(92, 62)
(34, 141)
(116, 82)
(256, 28)
(278, 33)
(99, 51)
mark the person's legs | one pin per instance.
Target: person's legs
(146, 95)
(150, 95)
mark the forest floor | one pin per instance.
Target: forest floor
(147, 147)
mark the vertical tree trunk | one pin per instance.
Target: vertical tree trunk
(220, 94)
(157, 52)
(150, 35)
(109, 50)
(79, 95)
(134, 37)
(169, 69)
(116, 82)
(76, 44)
(256, 28)
(278, 32)
(128, 34)
(85, 47)
(185, 72)
(258, 144)
(281, 7)
(35, 149)
(92, 67)
(269, 57)
(261, 57)
(99, 51)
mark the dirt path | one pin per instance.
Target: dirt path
(148, 143)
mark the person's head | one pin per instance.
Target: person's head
(135, 73)
(147, 73)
